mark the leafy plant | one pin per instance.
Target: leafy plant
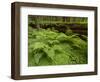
(50, 47)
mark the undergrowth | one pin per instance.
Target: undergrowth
(50, 47)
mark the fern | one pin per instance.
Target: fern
(50, 47)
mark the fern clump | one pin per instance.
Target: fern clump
(50, 47)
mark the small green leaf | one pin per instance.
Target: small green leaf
(37, 57)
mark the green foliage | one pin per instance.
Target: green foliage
(50, 47)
